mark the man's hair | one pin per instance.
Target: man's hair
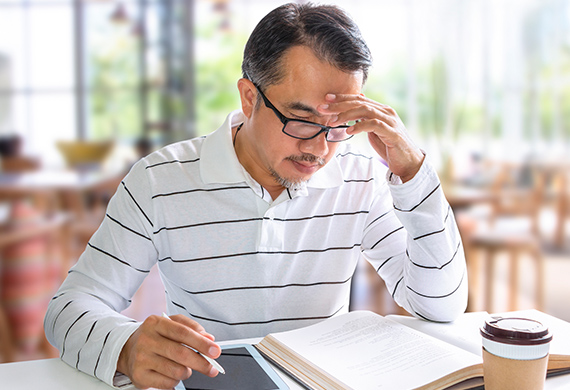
(327, 30)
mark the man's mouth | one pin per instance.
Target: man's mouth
(307, 160)
(307, 163)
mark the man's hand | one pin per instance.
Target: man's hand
(154, 355)
(386, 132)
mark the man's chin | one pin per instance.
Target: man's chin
(292, 184)
(289, 182)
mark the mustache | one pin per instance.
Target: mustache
(311, 158)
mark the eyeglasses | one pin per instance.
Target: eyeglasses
(300, 129)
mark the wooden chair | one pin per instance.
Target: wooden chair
(369, 292)
(483, 248)
(518, 191)
(511, 228)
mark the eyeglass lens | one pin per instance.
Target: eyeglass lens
(304, 130)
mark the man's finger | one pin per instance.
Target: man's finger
(191, 335)
(183, 355)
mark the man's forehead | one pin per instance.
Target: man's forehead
(301, 62)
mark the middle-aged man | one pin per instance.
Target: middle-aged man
(258, 226)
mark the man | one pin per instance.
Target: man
(258, 227)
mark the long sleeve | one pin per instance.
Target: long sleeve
(83, 320)
(416, 248)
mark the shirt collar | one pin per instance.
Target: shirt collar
(219, 162)
(218, 159)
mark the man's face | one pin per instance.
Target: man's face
(274, 157)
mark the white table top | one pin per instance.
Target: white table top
(54, 374)
(48, 374)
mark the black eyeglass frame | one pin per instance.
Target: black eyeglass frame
(324, 129)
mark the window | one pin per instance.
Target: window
(95, 70)
(480, 75)
(36, 72)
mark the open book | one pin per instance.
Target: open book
(362, 350)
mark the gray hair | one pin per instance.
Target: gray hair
(327, 30)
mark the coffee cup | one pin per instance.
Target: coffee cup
(515, 353)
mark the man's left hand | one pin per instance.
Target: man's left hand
(386, 132)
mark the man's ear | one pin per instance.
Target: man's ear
(248, 96)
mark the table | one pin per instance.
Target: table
(54, 374)
(80, 196)
(53, 188)
(462, 196)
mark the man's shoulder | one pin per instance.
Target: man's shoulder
(182, 151)
(167, 161)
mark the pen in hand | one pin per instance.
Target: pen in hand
(214, 363)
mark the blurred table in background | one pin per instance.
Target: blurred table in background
(462, 196)
(81, 195)
(58, 190)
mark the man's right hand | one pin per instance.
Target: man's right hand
(154, 355)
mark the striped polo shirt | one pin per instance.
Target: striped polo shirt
(243, 264)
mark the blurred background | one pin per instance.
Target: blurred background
(89, 86)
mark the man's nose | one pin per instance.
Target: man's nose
(317, 146)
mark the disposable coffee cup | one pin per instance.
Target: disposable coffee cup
(515, 353)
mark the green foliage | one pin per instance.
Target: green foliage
(565, 112)
(217, 74)
(113, 101)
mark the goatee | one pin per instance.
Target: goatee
(292, 183)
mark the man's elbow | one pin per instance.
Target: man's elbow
(442, 309)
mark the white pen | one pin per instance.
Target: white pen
(209, 359)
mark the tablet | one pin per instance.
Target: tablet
(245, 369)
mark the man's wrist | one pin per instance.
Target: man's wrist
(420, 157)
(123, 360)
(395, 179)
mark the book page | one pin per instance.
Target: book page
(463, 332)
(367, 351)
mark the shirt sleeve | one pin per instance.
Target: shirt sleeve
(415, 246)
(83, 319)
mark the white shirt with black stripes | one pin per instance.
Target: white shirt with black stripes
(243, 264)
